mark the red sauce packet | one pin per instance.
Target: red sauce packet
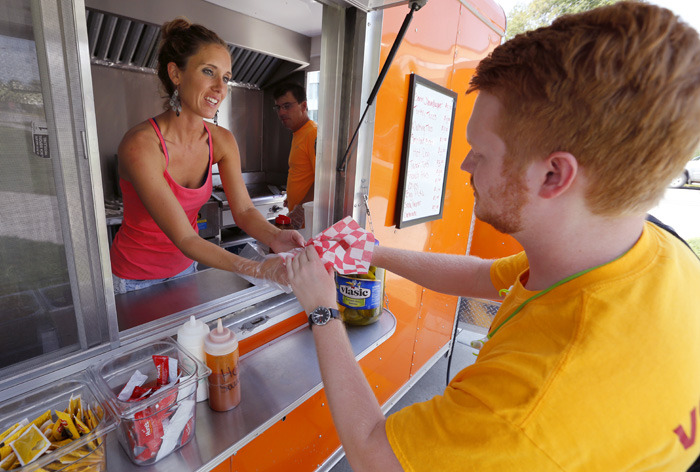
(162, 366)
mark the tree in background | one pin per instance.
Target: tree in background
(528, 16)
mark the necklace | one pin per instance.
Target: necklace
(480, 343)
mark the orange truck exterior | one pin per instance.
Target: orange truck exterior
(444, 43)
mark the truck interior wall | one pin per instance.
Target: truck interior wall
(277, 139)
(124, 98)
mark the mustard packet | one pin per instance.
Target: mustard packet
(82, 427)
(30, 445)
(92, 421)
(8, 462)
(41, 420)
(67, 422)
(9, 431)
(5, 448)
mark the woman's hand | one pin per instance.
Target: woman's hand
(313, 285)
(287, 240)
(272, 269)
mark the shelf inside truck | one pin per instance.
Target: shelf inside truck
(275, 379)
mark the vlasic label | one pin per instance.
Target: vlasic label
(358, 293)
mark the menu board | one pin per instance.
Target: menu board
(426, 152)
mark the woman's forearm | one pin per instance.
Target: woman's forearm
(255, 225)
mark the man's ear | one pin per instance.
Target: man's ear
(304, 106)
(174, 73)
(560, 170)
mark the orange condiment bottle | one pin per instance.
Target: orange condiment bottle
(221, 352)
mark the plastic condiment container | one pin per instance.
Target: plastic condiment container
(308, 220)
(221, 352)
(154, 427)
(191, 336)
(361, 296)
(87, 452)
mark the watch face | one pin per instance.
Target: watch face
(320, 315)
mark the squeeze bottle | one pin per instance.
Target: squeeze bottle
(191, 336)
(221, 352)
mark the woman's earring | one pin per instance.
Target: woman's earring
(175, 103)
(216, 118)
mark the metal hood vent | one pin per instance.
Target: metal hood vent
(130, 44)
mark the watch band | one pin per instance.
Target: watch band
(322, 315)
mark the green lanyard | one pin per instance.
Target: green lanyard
(548, 289)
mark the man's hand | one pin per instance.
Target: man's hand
(313, 285)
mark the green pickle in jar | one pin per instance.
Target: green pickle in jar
(361, 296)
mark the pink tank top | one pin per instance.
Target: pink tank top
(141, 251)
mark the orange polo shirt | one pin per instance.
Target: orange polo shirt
(302, 164)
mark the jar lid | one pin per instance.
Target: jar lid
(283, 220)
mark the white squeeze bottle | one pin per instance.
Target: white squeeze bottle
(191, 336)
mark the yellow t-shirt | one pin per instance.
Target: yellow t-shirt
(600, 374)
(302, 164)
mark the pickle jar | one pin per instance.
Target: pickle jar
(361, 296)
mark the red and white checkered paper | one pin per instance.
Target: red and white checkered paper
(345, 247)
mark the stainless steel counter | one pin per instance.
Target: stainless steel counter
(275, 379)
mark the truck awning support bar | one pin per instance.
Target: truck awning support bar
(415, 5)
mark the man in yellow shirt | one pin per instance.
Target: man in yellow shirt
(292, 109)
(592, 362)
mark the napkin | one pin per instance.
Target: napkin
(345, 247)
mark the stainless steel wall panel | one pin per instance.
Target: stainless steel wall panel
(368, 71)
(333, 42)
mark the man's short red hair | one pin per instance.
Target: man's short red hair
(618, 87)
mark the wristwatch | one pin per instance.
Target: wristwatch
(322, 315)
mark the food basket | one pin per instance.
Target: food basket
(35, 425)
(152, 427)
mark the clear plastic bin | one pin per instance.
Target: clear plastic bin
(87, 453)
(154, 427)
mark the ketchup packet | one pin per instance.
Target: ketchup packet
(189, 427)
(148, 432)
(139, 393)
(163, 368)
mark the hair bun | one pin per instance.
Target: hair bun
(178, 24)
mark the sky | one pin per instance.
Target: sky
(688, 10)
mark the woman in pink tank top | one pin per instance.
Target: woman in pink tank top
(165, 173)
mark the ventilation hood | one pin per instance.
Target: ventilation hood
(121, 42)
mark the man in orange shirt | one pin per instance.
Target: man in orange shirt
(292, 109)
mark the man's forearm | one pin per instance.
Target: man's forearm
(356, 413)
(445, 273)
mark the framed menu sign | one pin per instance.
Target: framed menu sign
(426, 152)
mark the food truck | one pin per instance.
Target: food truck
(79, 73)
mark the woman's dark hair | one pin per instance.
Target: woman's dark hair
(181, 40)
